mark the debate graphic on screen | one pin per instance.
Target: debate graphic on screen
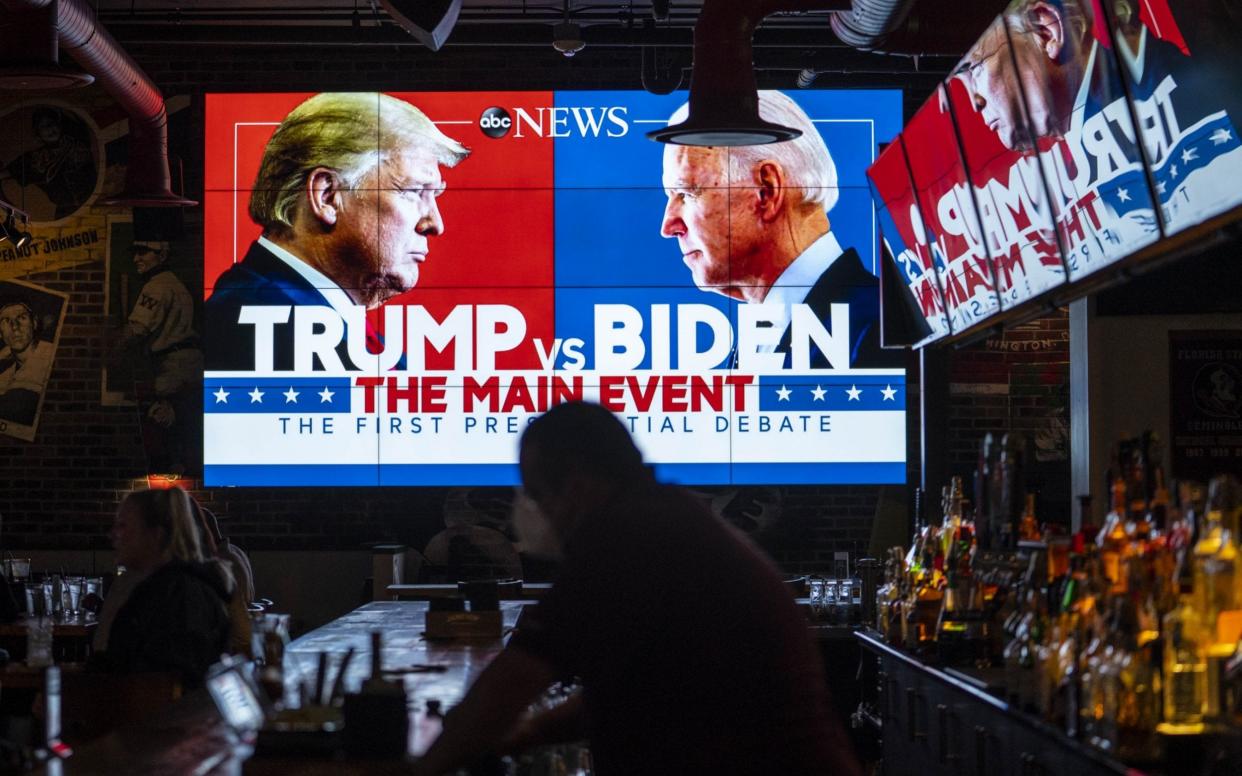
(397, 283)
(1072, 135)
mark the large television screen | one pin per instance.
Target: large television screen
(950, 213)
(398, 283)
(1016, 209)
(1180, 64)
(1072, 135)
(909, 243)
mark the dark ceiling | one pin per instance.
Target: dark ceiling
(927, 46)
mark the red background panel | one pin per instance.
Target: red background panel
(498, 207)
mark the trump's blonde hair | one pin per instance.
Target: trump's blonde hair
(350, 133)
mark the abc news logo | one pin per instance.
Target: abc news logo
(495, 122)
(560, 121)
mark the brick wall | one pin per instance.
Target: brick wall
(1016, 382)
(60, 491)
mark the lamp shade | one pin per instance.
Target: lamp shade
(724, 96)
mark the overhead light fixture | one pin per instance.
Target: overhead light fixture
(567, 36)
(31, 52)
(430, 21)
(724, 96)
(9, 228)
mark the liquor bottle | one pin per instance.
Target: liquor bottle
(1022, 677)
(984, 529)
(1158, 512)
(1091, 688)
(888, 598)
(1185, 669)
(1028, 526)
(1185, 532)
(926, 611)
(1113, 541)
(1048, 674)
(951, 623)
(1074, 620)
(1105, 695)
(1136, 482)
(1138, 702)
(1012, 654)
(1216, 560)
(1094, 587)
(951, 527)
(1012, 486)
(1216, 578)
(1229, 497)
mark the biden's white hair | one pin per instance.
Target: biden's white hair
(806, 161)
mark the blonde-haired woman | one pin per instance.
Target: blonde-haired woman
(176, 620)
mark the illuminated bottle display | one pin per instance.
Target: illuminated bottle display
(1135, 630)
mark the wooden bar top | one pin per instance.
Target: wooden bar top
(433, 670)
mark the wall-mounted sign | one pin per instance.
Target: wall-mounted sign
(1205, 403)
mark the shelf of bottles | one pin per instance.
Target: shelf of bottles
(1114, 634)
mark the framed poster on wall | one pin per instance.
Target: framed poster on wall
(1205, 403)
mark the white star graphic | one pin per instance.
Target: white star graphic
(818, 392)
(1221, 135)
(1123, 195)
(256, 396)
(854, 392)
(291, 396)
(890, 393)
(782, 393)
(1188, 154)
(1173, 171)
(325, 396)
(222, 396)
(1160, 187)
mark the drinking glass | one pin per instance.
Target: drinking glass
(71, 600)
(92, 596)
(817, 594)
(269, 637)
(34, 599)
(20, 569)
(48, 603)
(845, 597)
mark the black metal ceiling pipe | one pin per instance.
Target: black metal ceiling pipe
(657, 79)
(147, 180)
(724, 95)
(509, 35)
(869, 22)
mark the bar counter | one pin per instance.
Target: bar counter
(952, 722)
(432, 669)
(190, 736)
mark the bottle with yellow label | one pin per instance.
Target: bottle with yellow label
(1113, 541)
